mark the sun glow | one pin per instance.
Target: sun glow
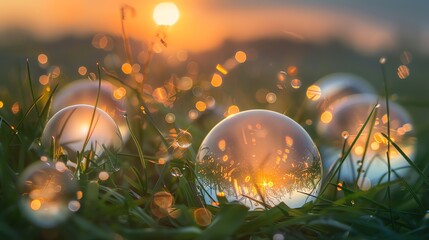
(166, 14)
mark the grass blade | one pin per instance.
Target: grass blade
(334, 171)
(91, 124)
(140, 153)
(31, 85)
(412, 164)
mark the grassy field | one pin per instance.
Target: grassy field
(150, 162)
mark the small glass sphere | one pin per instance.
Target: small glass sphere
(49, 193)
(259, 156)
(348, 117)
(70, 127)
(184, 139)
(175, 172)
(335, 86)
(112, 100)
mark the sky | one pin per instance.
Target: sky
(365, 25)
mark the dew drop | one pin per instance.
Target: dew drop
(345, 134)
(175, 172)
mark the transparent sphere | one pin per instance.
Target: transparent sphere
(70, 127)
(184, 139)
(335, 86)
(367, 160)
(259, 156)
(175, 172)
(49, 193)
(112, 100)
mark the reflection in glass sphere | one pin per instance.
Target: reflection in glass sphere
(184, 139)
(112, 100)
(70, 127)
(259, 156)
(49, 193)
(335, 86)
(369, 165)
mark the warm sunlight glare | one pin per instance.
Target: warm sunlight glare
(166, 14)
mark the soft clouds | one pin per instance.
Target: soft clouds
(368, 26)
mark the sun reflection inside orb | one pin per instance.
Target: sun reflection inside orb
(113, 100)
(257, 157)
(72, 125)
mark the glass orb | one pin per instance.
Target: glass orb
(259, 156)
(70, 126)
(347, 119)
(335, 86)
(184, 139)
(49, 193)
(112, 100)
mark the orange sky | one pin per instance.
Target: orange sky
(205, 24)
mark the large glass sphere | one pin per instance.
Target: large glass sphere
(70, 127)
(49, 193)
(259, 156)
(335, 86)
(112, 100)
(369, 165)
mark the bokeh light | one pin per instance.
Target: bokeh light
(161, 203)
(42, 58)
(259, 156)
(184, 83)
(216, 80)
(313, 92)
(170, 117)
(200, 106)
(403, 72)
(233, 109)
(240, 56)
(295, 83)
(16, 108)
(202, 217)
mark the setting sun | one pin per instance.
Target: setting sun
(166, 14)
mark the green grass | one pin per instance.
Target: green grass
(120, 207)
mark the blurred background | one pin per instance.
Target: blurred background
(221, 55)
